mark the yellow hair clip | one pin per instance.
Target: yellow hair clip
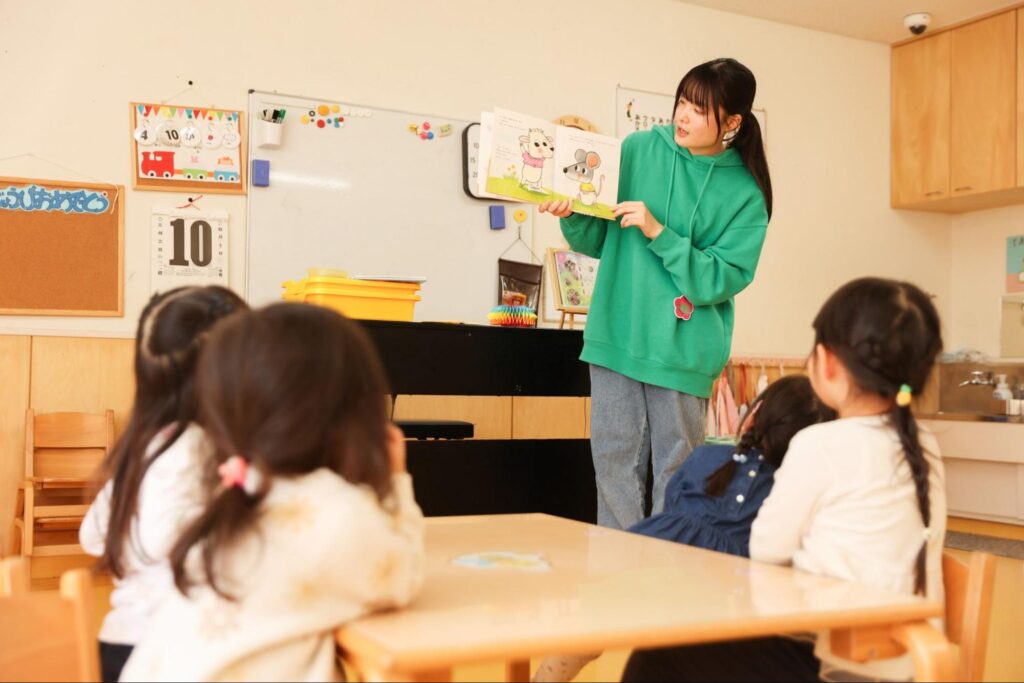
(904, 396)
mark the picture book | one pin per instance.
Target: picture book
(528, 159)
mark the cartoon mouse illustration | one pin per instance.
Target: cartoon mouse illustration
(536, 147)
(583, 173)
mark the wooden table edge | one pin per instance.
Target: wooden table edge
(369, 651)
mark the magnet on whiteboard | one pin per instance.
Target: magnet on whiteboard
(497, 215)
(260, 173)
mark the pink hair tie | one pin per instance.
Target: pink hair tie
(236, 471)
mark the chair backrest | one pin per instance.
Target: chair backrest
(968, 587)
(47, 636)
(66, 445)
(14, 576)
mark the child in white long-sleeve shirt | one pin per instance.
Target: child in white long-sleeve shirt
(152, 471)
(309, 517)
(861, 498)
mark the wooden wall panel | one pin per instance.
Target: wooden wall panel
(586, 416)
(83, 375)
(549, 417)
(491, 415)
(15, 362)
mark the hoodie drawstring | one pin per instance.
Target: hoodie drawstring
(671, 186)
(696, 205)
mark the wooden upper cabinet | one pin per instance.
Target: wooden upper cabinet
(1020, 98)
(920, 120)
(983, 105)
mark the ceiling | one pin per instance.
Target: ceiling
(877, 20)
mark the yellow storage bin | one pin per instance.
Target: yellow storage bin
(362, 299)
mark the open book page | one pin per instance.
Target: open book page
(521, 157)
(483, 156)
(587, 171)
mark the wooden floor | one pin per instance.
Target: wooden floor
(1005, 661)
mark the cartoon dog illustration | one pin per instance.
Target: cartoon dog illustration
(536, 148)
(583, 173)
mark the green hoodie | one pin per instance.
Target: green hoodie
(715, 221)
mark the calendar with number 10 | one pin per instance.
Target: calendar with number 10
(189, 248)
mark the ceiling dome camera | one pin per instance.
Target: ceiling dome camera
(918, 22)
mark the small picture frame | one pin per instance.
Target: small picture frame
(572, 278)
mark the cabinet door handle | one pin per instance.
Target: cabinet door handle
(963, 188)
(932, 193)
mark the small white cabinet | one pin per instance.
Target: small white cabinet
(984, 464)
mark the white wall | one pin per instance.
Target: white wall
(70, 68)
(979, 274)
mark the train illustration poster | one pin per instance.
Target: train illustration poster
(181, 148)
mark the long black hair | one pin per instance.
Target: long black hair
(725, 83)
(291, 388)
(887, 334)
(171, 331)
(788, 405)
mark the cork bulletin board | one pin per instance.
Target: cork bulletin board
(63, 248)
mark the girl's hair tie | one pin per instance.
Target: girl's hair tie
(928, 534)
(740, 458)
(904, 396)
(236, 472)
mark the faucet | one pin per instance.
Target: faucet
(979, 379)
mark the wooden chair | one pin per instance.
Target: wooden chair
(62, 453)
(969, 609)
(46, 636)
(14, 578)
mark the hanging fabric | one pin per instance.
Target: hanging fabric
(728, 415)
(711, 424)
(762, 381)
(741, 391)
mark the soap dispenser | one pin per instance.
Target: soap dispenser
(1002, 391)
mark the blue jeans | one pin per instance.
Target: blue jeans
(632, 427)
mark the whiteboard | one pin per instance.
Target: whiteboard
(372, 198)
(640, 110)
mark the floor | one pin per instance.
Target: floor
(1005, 661)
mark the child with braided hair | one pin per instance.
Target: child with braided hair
(860, 498)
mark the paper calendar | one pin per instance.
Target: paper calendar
(189, 248)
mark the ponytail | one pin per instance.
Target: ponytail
(905, 425)
(718, 481)
(750, 145)
(230, 514)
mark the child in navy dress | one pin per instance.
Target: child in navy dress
(712, 499)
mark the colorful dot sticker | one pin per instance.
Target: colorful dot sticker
(335, 109)
(323, 109)
(519, 216)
